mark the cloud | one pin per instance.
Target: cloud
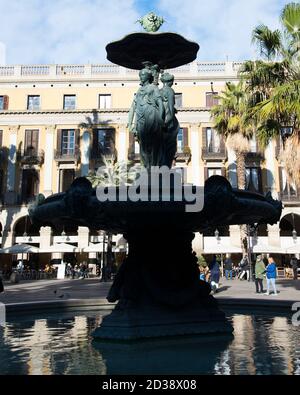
(77, 31)
(221, 27)
(63, 31)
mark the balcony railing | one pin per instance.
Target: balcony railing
(31, 156)
(290, 197)
(67, 156)
(133, 156)
(98, 153)
(95, 70)
(210, 155)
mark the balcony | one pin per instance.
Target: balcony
(133, 156)
(211, 155)
(290, 197)
(184, 156)
(67, 156)
(99, 154)
(31, 156)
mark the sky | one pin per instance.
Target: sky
(77, 31)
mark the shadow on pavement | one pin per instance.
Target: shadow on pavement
(289, 284)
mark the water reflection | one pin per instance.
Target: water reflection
(50, 345)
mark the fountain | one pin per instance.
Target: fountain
(157, 287)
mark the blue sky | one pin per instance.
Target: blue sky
(77, 31)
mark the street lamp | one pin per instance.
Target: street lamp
(286, 131)
(294, 232)
(217, 236)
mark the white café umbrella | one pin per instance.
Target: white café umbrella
(20, 249)
(60, 247)
(94, 248)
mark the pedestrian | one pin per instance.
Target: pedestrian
(294, 265)
(245, 268)
(271, 276)
(228, 267)
(214, 268)
(260, 270)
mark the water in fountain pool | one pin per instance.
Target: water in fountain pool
(54, 343)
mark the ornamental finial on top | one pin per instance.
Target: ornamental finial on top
(151, 22)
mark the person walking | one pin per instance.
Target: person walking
(245, 268)
(271, 276)
(228, 267)
(260, 270)
(294, 265)
(214, 268)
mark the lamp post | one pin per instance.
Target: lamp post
(294, 232)
(251, 232)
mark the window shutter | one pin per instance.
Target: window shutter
(215, 99)
(209, 100)
(77, 140)
(95, 143)
(204, 137)
(205, 173)
(59, 141)
(185, 137)
(5, 102)
(35, 140)
(112, 134)
(131, 143)
(281, 186)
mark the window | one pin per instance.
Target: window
(104, 141)
(104, 101)
(178, 100)
(136, 147)
(31, 142)
(33, 103)
(214, 172)
(180, 141)
(69, 102)
(213, 140)
(211, 99)
(30, 184)
(253, 183)
(66, 178)
(287, 188)
(3, 102)
(68, 142)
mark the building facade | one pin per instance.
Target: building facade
(58, 121)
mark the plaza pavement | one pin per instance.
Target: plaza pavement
(230, 292)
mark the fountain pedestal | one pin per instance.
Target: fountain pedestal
(159, 291)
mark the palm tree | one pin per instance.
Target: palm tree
(274, 85)
(231, 121)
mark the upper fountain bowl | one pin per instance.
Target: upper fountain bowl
(167, 50)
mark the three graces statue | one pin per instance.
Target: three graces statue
(152, 118)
